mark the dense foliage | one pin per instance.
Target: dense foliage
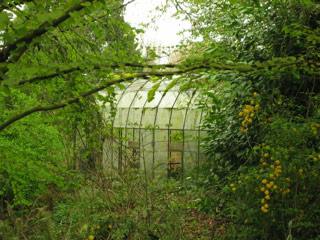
(257, 66)
(263, 142)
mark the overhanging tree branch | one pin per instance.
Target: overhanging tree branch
(92, 91)
(74, 69)
(240, 68)
(244, 68)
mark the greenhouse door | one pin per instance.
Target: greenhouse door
(175, 153)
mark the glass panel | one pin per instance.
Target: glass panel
(136, 85)
(147, 86)
(177, 119)
(148, 116)
(126, 99)
(121, 117)
(140, 99)
(146, 143)
(134, 117)
(190, 141)
(183, 100)
(162, 118)
(192, 118)
(168, 100)
(161, 153)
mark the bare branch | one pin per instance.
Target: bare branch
(125, 4)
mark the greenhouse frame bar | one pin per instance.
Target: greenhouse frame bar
(161, 137)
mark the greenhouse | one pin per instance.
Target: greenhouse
(160, 137)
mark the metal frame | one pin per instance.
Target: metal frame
(123, 131)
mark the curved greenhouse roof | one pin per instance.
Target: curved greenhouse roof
(174, 110)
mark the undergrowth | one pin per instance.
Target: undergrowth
(119, 207)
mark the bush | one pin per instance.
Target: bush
(274, 194)
(32, 159)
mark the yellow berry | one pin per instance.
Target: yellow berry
(277, 162)
(266, 155)
(264, 164)
(275, 187)
(268, 185)
(262, 200)
(262, 189)
(240, 114)
(300, 171)
(272, 166)
(264, 181)
(252, 115)
(267, 197)
(239, 181)
(91, 237)
(266, 192)
(251, 102)
(233, 189)
(271, 183)
(266, 205)
(255, 94)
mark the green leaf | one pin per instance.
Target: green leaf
(152, 92)
(4, 20)
(86, 4)
(171, 85)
